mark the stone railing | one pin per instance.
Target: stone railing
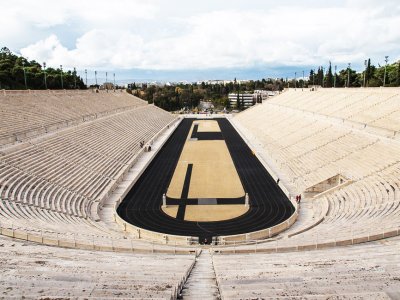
(92, 242)
(158, 237)
(286, 245)
(260, 234)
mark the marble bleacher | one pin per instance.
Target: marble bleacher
(308, 148)
(32, 271)
(52, 186)
(25, 114)
(375, 107)
(367, 271)
(53, 180)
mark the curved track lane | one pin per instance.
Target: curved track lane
(268, 204)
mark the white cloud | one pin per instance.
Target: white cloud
(46, 50)
(158, 35)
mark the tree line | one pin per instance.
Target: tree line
(372, 76)
(177, 96)
(16, 72)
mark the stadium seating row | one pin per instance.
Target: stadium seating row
(369, 107)
(308, 149)
(51, 188)
(54, 186)
(27, 114)
(359, 272)
(31, 271)
(319, 150)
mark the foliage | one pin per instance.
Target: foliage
(373, 76)
(188, 96)
(16, 70)
(12, 69)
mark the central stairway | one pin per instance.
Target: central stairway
(201, 283)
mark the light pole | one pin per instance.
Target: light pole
(106, 85)
(334, 80)
(23, 67)
(348, 75)
(295, 79)
(302, 85)
(45, 80)
(384, 76)
(86, 77)
(74, 77)
(95, 76)
(114, 80)
(62, 83)
(365, 71)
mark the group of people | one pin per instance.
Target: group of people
(298, 198)
(148, 147)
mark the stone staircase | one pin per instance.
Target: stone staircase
(201, 283)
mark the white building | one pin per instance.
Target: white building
(246, 99)
(263, 94)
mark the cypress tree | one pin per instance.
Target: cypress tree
(368, 72)
(311, 78)
(398, 74)
(329, 78)
(238, 101)
(320, 76)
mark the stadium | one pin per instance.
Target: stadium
(105, 196)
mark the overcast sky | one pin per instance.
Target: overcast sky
(206, 38)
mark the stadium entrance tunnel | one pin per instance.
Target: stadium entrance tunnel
(197, 185)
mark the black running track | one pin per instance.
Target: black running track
(268, 204)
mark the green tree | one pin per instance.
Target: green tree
(311, 78)
(12, 69)
(238, 101)
(398, 74)
(320, 76)
(329, 76)
(368, 72)
(227, 103)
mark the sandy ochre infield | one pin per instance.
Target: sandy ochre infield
(213, 176)
(207, 126)
(208, 213)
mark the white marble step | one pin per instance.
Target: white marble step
(201, 283)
